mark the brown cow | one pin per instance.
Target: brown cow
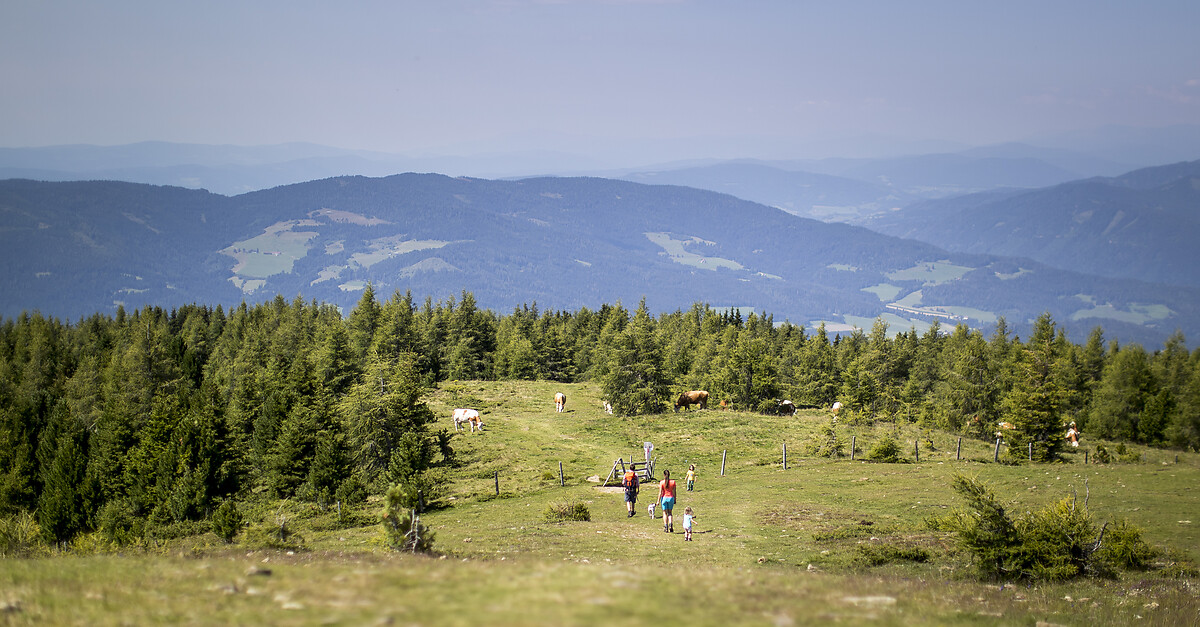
(695, 397)
(560, 402)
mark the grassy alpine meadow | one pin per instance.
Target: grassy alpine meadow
(824, 540)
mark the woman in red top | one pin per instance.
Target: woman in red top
(666, 499)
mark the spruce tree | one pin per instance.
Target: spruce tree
(1034, 405)
(635, 381)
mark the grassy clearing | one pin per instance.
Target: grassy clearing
(772, 546)
(677, 251)
(931, 272)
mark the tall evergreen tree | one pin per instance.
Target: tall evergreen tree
(1034, 404)
(635, 381)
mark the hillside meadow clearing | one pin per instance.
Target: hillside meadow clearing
(772, 546)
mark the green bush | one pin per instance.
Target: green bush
(276, 533)
(352, 491)
(825, 443)
(570, 511)
(1123, 548)
(1179, 565)
(402, 530)
(20, 536)
(1127, 456)
(885, 450)
(227, 521)
(1056, 543)
(120, 522)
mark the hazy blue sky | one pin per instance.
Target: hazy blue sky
(708, 76)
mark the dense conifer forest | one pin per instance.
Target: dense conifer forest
(147, 423)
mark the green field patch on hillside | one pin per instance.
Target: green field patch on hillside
(1006, 277)
(884, 291)
(676, 250)
(912, 299)
(969, 314)
(273, 252)
(931, 272)
(346, 217)
(248, 286)
(388, 247)
(1136, 313)
(432, 264)
(328, 273)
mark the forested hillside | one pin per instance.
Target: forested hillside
(71, 249)
(1142, 225)
(143, 423)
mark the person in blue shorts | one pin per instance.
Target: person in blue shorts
(666, 498)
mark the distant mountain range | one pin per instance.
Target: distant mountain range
(1141, 225)
(903, 169)
(73, 248)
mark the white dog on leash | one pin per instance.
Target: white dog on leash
(650, 509)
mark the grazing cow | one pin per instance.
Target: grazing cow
(837, 406)
(1003, 426)
(607, 407)
(469, 416)
(560, 402)
(787, 408)
(724, 404)
(695, 397)
(1073, 435)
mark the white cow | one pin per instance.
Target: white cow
(469, 416)
(560, 402)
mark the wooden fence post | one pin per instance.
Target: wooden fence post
(1085, 457)
(1031, 451)
(917, 450)
(497, 483)
(958, 453)
(723, 462)
(853, 439)
(785, 455)
(996, 455)
(561, 481)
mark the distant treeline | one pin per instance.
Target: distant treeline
(144, 422)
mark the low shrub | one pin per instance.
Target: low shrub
(1178, 565)
(1124, 549)
(825, 443)
(121, 522)
(20, 536)
(886, 450)
(570, 511)
(227, 521)
(1056, 543)
(276, 533)
(402, 527)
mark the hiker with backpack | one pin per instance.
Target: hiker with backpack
(631, 490)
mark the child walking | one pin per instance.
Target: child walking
(691, 477)
(687, 523)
